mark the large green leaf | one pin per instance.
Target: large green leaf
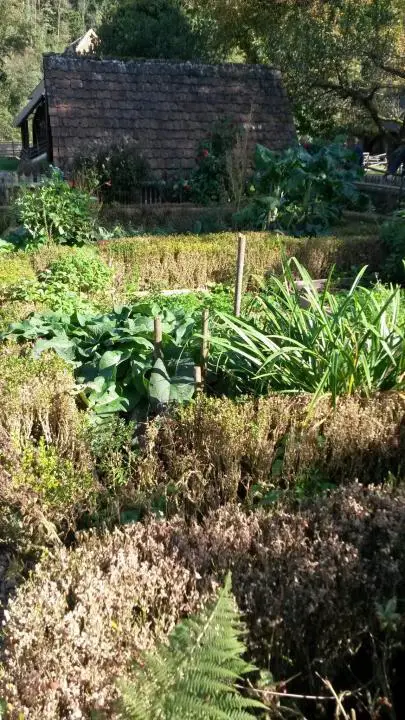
(263, 157)
(140, 323)
(110, 358)
(159, 384)
(107, 401)
(182, 385)
(61, 344)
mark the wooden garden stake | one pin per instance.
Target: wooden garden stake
(157, 337)
(239, 273)
(204, 343)
(197, 378)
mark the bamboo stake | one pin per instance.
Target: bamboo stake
(157, 337)
(340, 711)
(239, 273)
(275, 693)
(197, 378)
(205, 341)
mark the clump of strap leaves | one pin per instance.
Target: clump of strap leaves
(194, 677)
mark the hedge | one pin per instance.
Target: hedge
(309, 584)
(217, 451)
(192, 261)
(46, 474)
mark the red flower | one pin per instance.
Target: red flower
(205, 153)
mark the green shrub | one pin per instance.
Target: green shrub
(217, 451)
(64, 492)
(115, 456)
(65, 284)
(54, 212)
(53, 296)
(5, 247)
(80, 271)
(120, 171)
(302, 192)
(316, 574)
(14, 269)
(46, 472)
(38, 400)
(209, 183)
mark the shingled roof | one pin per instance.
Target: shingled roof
(166, 107)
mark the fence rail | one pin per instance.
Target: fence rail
(370, 160)
(387, 181)
(10, 149)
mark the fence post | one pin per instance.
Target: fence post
(205, 341)
(197, 379)
(239, 273)
(157, 337)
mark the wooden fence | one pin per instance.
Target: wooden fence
(10, 149)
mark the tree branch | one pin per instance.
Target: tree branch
(390, 69)
(366, 99)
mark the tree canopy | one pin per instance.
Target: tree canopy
(149, 29)
(343, 61)
(28, 28)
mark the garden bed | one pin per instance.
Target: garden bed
(322, 574)
(131, 492)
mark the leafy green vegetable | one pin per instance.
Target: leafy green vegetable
(5, 246)
(113, 355)
(54, 212)
(302, 192)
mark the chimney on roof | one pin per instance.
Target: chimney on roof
(84, 45)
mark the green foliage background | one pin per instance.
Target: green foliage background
(342, 61)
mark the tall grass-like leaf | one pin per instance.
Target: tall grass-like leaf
(320, 343)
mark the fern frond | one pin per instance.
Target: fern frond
(193, 678)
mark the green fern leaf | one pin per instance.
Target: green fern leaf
(194, 677)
